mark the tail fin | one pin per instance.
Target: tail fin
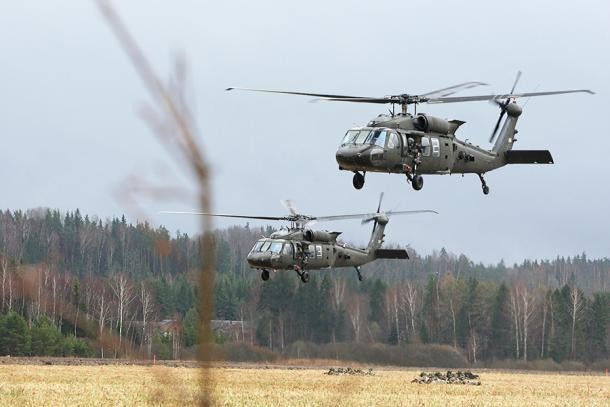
(506, 138)
(377, 235)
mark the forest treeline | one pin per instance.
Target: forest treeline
(111, 288)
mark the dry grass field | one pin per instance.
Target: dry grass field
(36, 385)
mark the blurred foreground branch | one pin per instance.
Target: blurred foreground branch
(178, 133)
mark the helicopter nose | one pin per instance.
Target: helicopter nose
(339, 156)
(259, 259)
(347, 156)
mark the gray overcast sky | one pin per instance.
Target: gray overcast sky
(70, 134)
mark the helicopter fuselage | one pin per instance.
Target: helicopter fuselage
(285, 249)
(437, 154)
(422, 144)
(302, 250)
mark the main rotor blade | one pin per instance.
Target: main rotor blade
(225, 215)
(390, 213)
(415, 212)
(380, 101)
(515, 83)
(453, 89)
(320, 95)
(369, 216)
(343, 217)
(506, 96)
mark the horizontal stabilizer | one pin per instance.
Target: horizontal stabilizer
(528, 157)
(391, 254)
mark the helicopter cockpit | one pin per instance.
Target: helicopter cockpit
(369, 146)
(268, 252)
(369, 136)
(272, 246)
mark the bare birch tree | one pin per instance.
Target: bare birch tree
(514, 302)
(527, 301)
(124, 295)
(146, 303)
(354, 311)
(545, 306)
(409, 295)
(5, 271)
(576, 308)
(102, 308)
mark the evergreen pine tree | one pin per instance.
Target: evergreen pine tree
(14, 335)
(499, 345)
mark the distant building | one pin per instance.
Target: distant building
(233, 330)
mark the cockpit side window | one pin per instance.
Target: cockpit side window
(377, 137)
(425, 146)
(393, 141)
(288, 250)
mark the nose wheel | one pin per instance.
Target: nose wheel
(358, 180)
(484, 185)
(265, 275)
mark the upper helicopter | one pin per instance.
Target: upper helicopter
(300, 248)
(416, 144)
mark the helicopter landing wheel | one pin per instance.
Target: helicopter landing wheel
(484, 184)
(358, 180)
(417, 182)
(265, 275)
(304, 276)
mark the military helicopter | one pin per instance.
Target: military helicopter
(299, 248)
(417, 144)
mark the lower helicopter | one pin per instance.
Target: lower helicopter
(299, 248)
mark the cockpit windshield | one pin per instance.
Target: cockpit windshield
(365, 136)
(265, 245)
(355, 136)
(257, 246)
(276, 247)
(362, 136)
(349, 137)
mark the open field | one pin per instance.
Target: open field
(163, 385)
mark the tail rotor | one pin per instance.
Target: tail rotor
(378, 210)
(503, 105)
